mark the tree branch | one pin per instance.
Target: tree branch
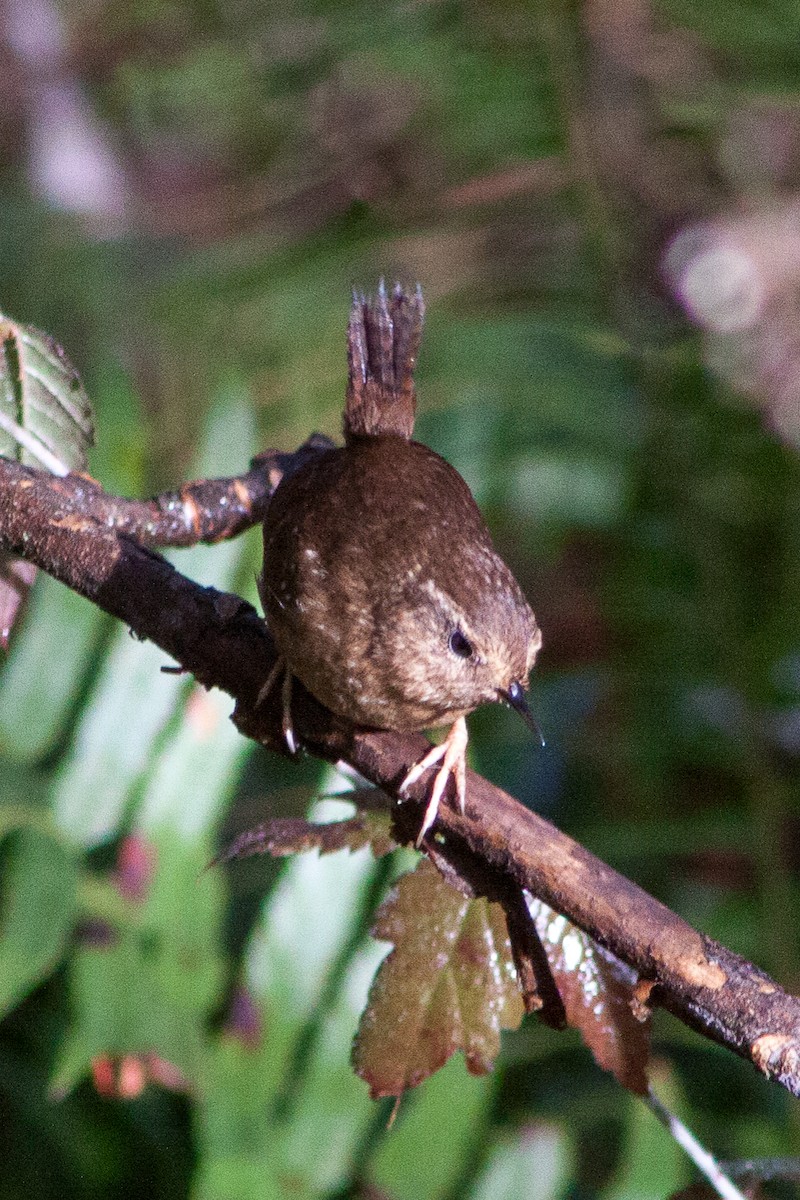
(81, 536)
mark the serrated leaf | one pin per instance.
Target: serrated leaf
(597, 990)
(449, 984)
(294, 835)
(42, 394)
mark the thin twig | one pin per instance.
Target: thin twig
(704, 1161)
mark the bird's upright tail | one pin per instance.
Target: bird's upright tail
(383, 339)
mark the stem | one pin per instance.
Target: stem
(704, 1161)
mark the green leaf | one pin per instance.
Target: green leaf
(152, 981)
(45, 421)
(40, 678)
(306, 925)
(306, 922)
(193, 773)
(161, 977)
(533, 1165)
(653, 1165)
(36, 911)
(132, 704)
(433, 1138)
(41, 394)
(332, 1109)
(233, 1177)
(449, 984)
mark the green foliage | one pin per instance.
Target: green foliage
(43, 405)
(526, 164)
(38, 907)
(654, 1165)
(434, 1140)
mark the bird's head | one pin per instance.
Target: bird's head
(452, 654)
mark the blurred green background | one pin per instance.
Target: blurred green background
(188, 192)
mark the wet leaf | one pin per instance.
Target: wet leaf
(42, 395)
(597, 991)
(449, 984)
(294, 835)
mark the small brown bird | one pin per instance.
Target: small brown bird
(381, 586)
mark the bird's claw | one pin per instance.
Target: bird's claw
(287, 728)
(453, 752)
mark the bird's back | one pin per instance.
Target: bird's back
(342, 550)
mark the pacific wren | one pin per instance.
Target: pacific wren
(381, 586)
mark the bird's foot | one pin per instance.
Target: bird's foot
(287, 729)
(453, 752)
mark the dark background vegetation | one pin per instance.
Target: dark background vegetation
(188, 192)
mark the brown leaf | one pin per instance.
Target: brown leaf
(598, 992)
(16, 580)
(293, 835)
(449, 984)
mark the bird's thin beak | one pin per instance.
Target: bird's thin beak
(515, 698)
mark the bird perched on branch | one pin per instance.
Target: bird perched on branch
(381, 586)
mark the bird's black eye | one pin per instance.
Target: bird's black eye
(459, 644)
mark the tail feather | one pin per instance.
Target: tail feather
(383, 339)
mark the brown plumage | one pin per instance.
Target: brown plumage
(381, 585)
